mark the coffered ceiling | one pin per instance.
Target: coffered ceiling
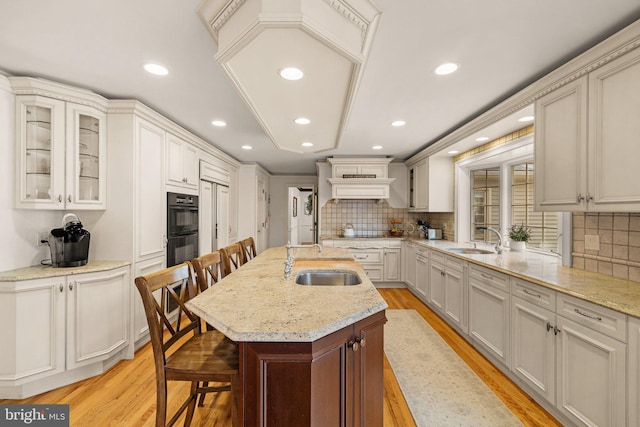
(500, 46)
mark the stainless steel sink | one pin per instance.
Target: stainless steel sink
(470, 251)
(327, 278)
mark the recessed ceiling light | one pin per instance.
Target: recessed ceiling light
(307, 144)
(246, 147)
(397, 123)
(219, 123)
(156, 69)
(377, 147)
(482, 139)
(453, 152)
(302, 121)
(291, 73)
(446, 68)
(526, 119)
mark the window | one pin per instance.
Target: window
(544, 225)
(485, 203)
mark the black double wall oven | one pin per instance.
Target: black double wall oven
(182, 232)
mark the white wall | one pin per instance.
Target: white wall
(280, 205)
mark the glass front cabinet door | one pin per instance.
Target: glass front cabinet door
(61, 151)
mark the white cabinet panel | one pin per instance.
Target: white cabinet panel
(421, 264)
(183, 166)
(392, 264)
(633, 374)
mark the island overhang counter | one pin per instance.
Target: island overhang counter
(309, 355)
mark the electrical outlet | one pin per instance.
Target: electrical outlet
(592, 242)
(42, 235)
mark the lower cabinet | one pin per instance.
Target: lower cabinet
(421, 272)
(409, 255)
(436, 281)
(489, 312)
(392, 267)
(380, 258)
(57, 324)
(334, 381)
(448, 289)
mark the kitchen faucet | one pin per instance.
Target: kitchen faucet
(288, 265)
(498, 247)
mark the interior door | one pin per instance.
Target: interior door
(222, 216)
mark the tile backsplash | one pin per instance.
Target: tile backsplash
(607, 243)
(370, 218)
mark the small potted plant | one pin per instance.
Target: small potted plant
(519, 235)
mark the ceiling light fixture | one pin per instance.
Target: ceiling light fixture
(291, 73)
(453, 152)
(219, 123)
(446, 68)
(526, 119)
(246, 147)
(377, 147)
(307, 144)
(482, 139)
(156, 69)
(302, 121)
(398, 123)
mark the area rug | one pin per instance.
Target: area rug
(440, 389)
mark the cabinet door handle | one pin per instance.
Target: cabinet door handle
(361, 341)
(588, 198)
(353, 345)
(556, 330)
(532, 294)
(69, 198)
(590, 316)
(61, 287)
(580, 197)
(549, 326)
(486, 276)
(71, 286)
(361, 257)
(59, 198)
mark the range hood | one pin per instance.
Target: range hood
(360, 178)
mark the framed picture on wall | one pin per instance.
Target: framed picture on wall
(295, 206)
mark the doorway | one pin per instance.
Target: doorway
(302, 215)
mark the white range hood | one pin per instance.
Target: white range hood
(360, 178)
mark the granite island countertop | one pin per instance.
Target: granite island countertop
(256, 304)
(547, 270)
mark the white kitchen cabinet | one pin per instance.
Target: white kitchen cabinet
(140, 324)
(54, 325)
(586, 141)
(409, 257)
(431, 185)
(436, 281)
(455, 293)
(489, 308)
(533, 341)
(633, 373)
(422, 272)
(392, 267)
(182, 164)
(61, 154)
(371, 260)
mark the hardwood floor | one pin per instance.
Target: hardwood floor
(125, 396)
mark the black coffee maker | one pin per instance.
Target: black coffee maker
(69, 245)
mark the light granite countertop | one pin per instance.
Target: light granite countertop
(44, 271)
(547, 270)
(256, 304)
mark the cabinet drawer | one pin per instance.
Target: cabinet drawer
(423, 252)
(367, 256)
(437, 257)
(489, 277)
(374, 273)
(453, 263)
(535, 294)
(607, 321)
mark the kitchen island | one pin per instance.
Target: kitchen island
(309, 355)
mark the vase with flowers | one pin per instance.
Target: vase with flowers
(519, 235)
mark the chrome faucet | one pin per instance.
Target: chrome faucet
(498, 247)
(288, 265)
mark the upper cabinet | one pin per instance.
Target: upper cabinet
(430, 185)
(182, 164)
(586, 141)
(61, 154)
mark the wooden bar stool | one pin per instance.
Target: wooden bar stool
(181, 351)
(248, 249)
(232, 258)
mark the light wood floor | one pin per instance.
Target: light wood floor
(125, 396)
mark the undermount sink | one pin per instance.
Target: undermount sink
(470, 251)
(327, 278)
